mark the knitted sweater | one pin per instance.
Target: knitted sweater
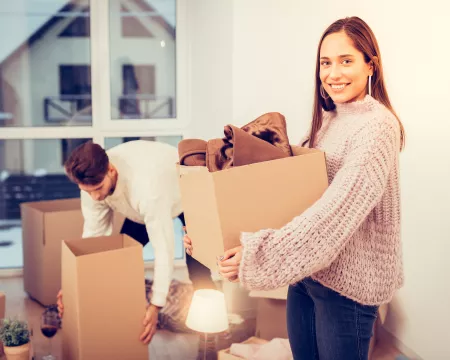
(348, 240)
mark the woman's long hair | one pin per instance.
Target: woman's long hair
(364, 40)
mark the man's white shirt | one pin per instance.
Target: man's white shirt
(147, 192)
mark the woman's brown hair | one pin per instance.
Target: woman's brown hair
(364, 40)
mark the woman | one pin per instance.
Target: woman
(341, 257)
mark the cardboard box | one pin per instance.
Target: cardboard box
(271, 319)
(218, 206)
(280, 294)
(104, 299)
(44, 225)
(225, 354)
(2, 315)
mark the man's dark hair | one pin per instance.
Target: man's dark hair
(87, 164)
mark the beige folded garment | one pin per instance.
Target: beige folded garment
(275, 349)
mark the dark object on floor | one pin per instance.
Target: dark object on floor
(5, 243)
(53, 308)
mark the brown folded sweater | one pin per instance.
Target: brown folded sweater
(263, 139)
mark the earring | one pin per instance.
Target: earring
(370, 85)
(322, 93)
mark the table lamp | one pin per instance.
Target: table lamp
(207, 313)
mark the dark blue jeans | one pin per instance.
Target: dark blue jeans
(324, 325)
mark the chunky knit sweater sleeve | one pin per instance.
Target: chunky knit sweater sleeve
(273, 258)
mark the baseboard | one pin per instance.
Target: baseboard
(387, 337)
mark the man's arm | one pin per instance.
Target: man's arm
(97, 217)
(159, 225)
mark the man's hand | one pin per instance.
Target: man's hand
(229, 264)
(59, 302)
(187, 243)
(150, 322)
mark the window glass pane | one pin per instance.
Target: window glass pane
(178, 227)
(45, 72)
(142, 63)
(30, 170)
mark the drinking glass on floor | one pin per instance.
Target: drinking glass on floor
(49, 327)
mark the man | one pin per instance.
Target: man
(139, 180)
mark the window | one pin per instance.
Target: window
(30, 59)
(142, 59)
(56, 92)
(30, 170)
(132, 26)
(138, 85)
(75, 90)
(80, 27)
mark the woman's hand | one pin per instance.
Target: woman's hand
(229, 264)
(187, 243)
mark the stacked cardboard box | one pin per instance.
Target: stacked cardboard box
(271, 314)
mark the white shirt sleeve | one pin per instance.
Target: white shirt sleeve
(97, 217)
(159, 225)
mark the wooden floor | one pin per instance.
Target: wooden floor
(164, 346)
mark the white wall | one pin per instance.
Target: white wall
(210, 46)
(273, 46)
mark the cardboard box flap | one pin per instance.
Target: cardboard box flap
(55, 205)
(35, 231)
(201, 215)
(101, 244)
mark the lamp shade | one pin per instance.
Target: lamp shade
(208, 312)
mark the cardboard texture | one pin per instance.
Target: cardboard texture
(225, 354)
(218, 206)
(271, 313)
(44, 225)
(280, 294)
(271, 319)
(104, 299)
(2, 315)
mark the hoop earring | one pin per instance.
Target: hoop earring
(322, 93)
(370, 85)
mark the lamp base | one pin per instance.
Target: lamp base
(207, 347)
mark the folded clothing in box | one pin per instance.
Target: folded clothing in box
(274, 349)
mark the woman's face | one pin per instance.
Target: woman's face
(343, 71)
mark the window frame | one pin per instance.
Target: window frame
(102, 125)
